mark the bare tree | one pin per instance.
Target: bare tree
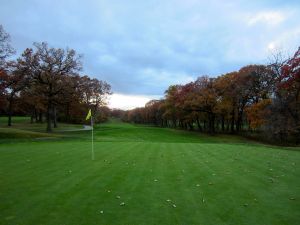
(6, 49)
(16, 82)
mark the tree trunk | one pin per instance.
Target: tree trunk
(31, 118)
(10, 103)
(211, 118)
(49, 117)
(180, 124)
(198, 124)
(217, 125)
(40, 119)
(174, 123)
(54, 117)
(223, 123)
(68, 113)
(185, 126)
(227, 125)
(232, 120)
(239, 122)
(35, 115)
(190, 125)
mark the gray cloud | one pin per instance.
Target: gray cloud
(142, 47)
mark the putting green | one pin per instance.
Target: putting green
(147, 175)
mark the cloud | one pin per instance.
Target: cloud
(125, 101)
(271, 18)
(287, 41)
(160, 77)
(142, 47)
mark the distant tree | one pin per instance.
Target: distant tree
(171, 111)
(94, 92)
(228, 98)
(100, 90)
(154, 113)
(103, 114)
(258, 113)
(285, 121)
(117, 113)
(251, 84)
(261, 97)
(203, 99)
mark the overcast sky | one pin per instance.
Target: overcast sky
(142, 47)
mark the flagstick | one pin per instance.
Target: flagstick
(93, 156)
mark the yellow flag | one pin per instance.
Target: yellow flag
(88, 116)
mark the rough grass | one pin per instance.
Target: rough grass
(15, 120)
(22, 130)
(12, 133)
(163, 176)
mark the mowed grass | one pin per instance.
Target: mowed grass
(162, 176)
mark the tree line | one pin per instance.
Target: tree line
(258, 100)
(45, 83)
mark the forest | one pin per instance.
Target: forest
(259, 101)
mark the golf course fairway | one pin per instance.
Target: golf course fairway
(147, 175)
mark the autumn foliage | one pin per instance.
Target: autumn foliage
(45, 83)
(258, 113)
(257, 99)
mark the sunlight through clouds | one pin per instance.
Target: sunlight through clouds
(123, 101)
(141, 52)
(271, 46)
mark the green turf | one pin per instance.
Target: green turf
(210, 180)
